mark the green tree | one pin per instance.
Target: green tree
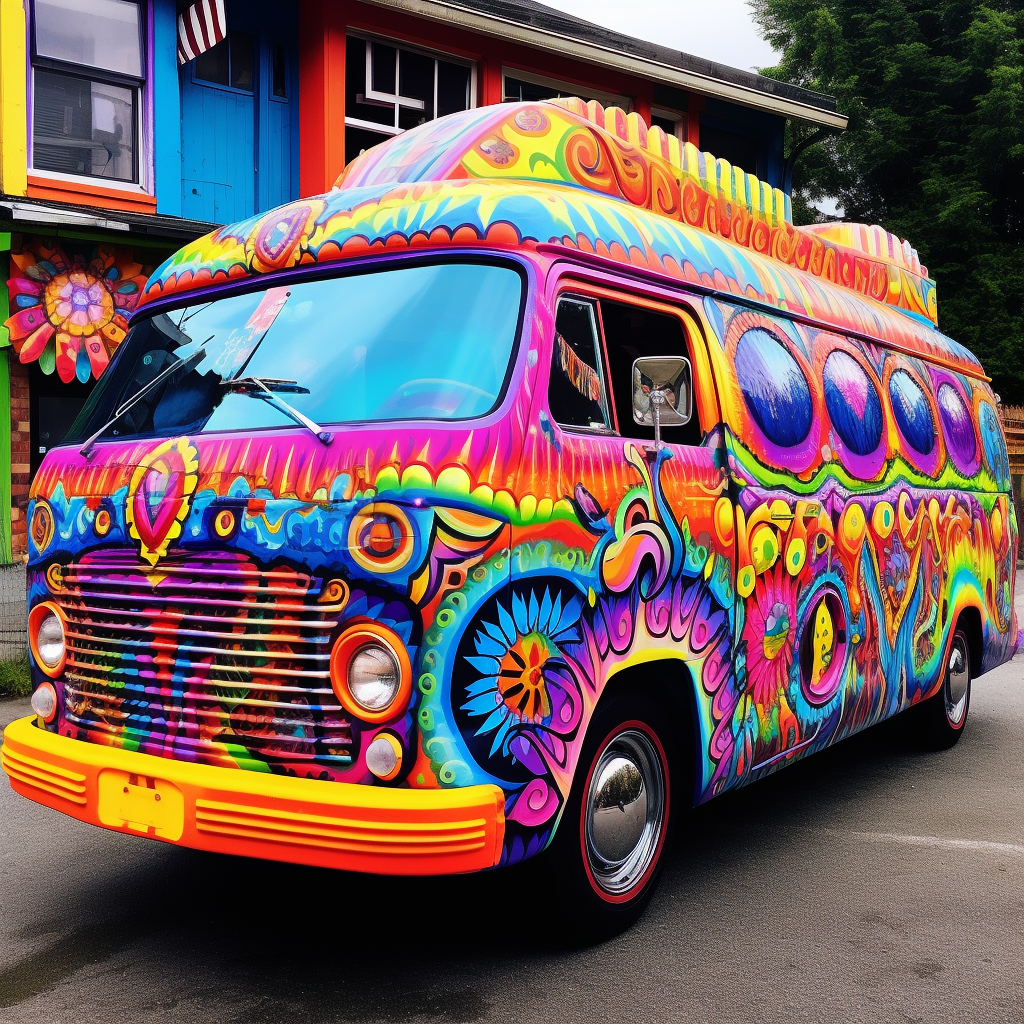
(934, 150)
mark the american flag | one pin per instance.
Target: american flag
(199, 27)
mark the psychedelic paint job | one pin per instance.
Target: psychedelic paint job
(530, 174)
(795, 576)
(885, 508)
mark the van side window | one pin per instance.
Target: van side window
(631, 332)
(576, 395)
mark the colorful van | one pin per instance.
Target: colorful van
(538, 482)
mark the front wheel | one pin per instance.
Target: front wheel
(942, 717)
(610, 844)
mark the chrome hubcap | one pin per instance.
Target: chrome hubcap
(958, 678)
(625, 811)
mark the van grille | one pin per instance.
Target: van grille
(205, 657)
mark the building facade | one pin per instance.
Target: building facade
(112, 154)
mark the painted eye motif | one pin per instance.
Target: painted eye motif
(41, 527)
(957, 426)
(774, 388)
(823, 648)
(853, 404)
(101, 524)
(381, 538)
(913, 416)
(224, 522)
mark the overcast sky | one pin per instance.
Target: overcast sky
(721, 30)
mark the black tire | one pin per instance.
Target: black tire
(941, 718)
(601, 878)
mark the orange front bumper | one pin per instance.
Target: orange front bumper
(305, 821)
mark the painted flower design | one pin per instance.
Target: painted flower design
(524, 692)
(769, 633)
(70, 313)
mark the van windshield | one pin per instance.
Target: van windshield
(426, 342)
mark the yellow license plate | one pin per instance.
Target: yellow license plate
(147, 805)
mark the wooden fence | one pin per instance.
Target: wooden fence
(1013, 426)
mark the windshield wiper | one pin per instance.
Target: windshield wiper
(265, 388)
(86, 448)
(275, 384)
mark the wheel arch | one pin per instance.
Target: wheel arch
(969, 620)
(671, 682)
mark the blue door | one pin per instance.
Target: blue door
(239, 117)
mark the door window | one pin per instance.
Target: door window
(632, 331)
(577, 396)
(239, 117)
(597, 341)
(229, 63)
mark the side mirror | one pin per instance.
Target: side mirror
(662, 392)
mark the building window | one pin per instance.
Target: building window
(229, 63)
(278, 72)
(740, 150)
(390, 89)
(88, 71)
(520, 86)
(671, 122)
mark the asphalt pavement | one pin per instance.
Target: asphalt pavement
(872, 882)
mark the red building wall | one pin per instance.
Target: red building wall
(322, 25)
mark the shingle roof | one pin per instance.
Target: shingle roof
(532, 15)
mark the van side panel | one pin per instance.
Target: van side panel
(873, 509)
(622, 556)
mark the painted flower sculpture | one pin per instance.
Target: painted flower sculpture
(70, 313)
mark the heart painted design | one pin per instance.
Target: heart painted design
(156, 503)
(159, 496)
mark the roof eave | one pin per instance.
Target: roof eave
(658, 71)
(20, 213)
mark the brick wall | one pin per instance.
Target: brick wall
(21, 472)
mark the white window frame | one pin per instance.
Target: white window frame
(144, 158)
(606, 99)
(396, 100)
(680, 118)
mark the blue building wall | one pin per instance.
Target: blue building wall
(166, 109)
(765, 129)
(223, 153)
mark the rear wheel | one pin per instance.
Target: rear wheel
(942, 717)
(610, 844)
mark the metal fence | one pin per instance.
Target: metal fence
(13, 619)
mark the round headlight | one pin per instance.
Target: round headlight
(44, 702)
(384, 756)
(50, 641)
(46, 638)
(371, 672)
(374, 677)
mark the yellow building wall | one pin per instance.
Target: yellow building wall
(13, 106)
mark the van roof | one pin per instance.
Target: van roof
(575, 176)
